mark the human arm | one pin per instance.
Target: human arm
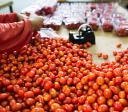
(8, 18)
(13, 36)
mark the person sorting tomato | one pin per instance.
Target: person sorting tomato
(16, 30)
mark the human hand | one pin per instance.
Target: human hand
(36, 21)
(21, 17)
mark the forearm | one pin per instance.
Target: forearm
(14, 36)
(8, 18)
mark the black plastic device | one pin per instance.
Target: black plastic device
(85, 34)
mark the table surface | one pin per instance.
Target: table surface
(105, 41)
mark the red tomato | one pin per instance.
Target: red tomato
(110, 102)
(47, 97)
(99, 54)
(124, 102)
(21, 93)
(91, 99)
(115, 89)
(125, 109)
(125, 77)
(118, 106)
(103, 108)
(10, 88)
(24, 71)
(126, 89)
(61, 96)
(29, 94)
(16, 88)
(53, 92)
(118, 45)
(55, 106)
(74, 100)
(86, 108)
(82, 99)
(68, 107)
(100, 80)
(31, 73)
(52, 67)
(122, 94)
(30, 101)
(67, 100)
(48, 85)
(37, 109)
(16, 107)
(84, 80)
(118, 80)
(107, 93)
(63, 80)
(2, 109)
(36, 91)
(105, 56)
(101, 100)
(39, 80)
(60, 110)
(3, 96)
(91, 76)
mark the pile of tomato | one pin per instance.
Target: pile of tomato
(54, 75)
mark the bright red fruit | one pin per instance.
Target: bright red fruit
(118, 106)
(48, 85)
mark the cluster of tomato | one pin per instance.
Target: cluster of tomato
(54, 75)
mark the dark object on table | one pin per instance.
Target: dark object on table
(127, 6)
(86, 34)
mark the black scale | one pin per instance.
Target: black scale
(85, 34)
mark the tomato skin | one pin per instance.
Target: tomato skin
(29, 94)
(24, 70)
(48, 85)
(39, 80)
(21, 93)
(100, 80)
(16, 87)
(126, 89)
(37, 109)
(25, 110)
(55, 106)
(115, 90)
(3, 96)
(125, 109)
(107, 93)
(86, 108)
(16, 107)
(110, 102)
(2, 109)
(118, 106)
(125, 77)
(36, 91)
(60, 110)
(101, 100)
(105, 56)
(118, 45)
(57, 86)
(99, 54)
(30, 101)
(53, 75)
(118, 80)
(61, 96)
(103, 108)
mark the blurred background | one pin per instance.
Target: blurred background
(18, 5)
